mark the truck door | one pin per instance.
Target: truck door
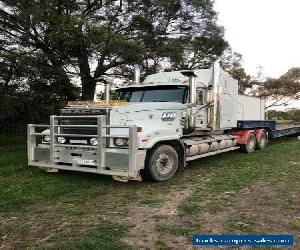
(201, 117)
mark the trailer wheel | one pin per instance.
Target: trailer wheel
(161, 164)
(250, 146)
(262, 143)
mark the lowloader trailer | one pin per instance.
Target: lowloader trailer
(152, 129)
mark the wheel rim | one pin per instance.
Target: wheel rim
(251, 144)
(164, 164)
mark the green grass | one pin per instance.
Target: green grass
(23, 185)
(31, 195)
(176, 230)
(105, 235)
(232, 172)
(160, 245)
(72, 210)
(151, 202)
(240, 222)
(29, 191)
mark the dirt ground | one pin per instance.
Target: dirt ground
(255, 204)
(254, 210)
(144, 234)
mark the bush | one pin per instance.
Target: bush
(18, 109)
(295, 114)
(278, 115)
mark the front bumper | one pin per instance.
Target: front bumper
(100, 159)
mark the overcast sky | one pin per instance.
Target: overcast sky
(265, 32)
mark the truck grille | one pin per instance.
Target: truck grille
(79, 121)
(85, 126)
(80, 111)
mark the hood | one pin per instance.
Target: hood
(148, 116)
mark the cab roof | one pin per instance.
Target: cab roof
(175, 78)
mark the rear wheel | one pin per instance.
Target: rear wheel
(262, 143)
(161, 164)
(250, 146)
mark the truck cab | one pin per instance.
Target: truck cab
(150, 130)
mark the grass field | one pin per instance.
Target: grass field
(230, 193)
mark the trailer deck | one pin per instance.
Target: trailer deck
(275, 131)
(285, 130)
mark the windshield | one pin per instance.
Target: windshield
(153, 94)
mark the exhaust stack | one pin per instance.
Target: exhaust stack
(137, 74)
(107, 91)
(192, 96)
(215, 111)
(108, 83)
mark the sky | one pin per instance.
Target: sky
(265, 32)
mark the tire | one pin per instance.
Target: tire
(161, 164)
(262, 143)
(250, 146)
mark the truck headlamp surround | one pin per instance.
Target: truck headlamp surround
(168, 115)
(61, 140)
(94, 141)
(121, 142)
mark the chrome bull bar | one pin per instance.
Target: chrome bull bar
(103, 158)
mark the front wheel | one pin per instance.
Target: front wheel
(161, 164)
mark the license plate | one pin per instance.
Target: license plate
(85, 162)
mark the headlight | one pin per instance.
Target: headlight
(46, 138)
(168, 115)
(94, 141)
(61, 139)
(121, 142)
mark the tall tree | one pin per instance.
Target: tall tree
(232, 63)
(87, 39)
(280, 91)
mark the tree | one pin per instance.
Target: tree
(294, 114)
(231, 62)
(86, 39)
(278, 115)
(27, 95)
(280, 91)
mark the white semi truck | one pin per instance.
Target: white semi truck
(153, 128)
